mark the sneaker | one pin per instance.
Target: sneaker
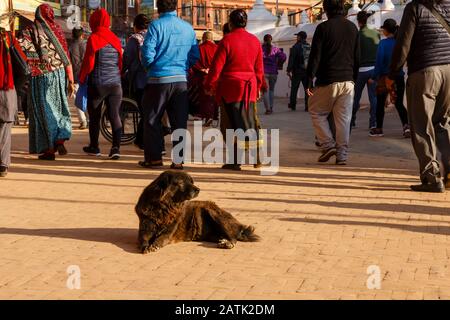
(3, 171)
(83, 126)
(326, 155)
(48, 156)
(376, 132)
(437, 187)
(92, 151)
(114, 154)
(341, 162)
(406, 131)
(62, 151)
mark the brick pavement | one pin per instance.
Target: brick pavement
(321, 226)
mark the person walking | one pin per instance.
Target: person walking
(51, 83)
(134, 70)
(170, 49)
(381, 73)
(236, 78)
(334, 62)
(8, 98)
(207, 107)
(423, 41)
(296, 70)
(368, 41)
(77, 49)
(101, 70)
(273, 58)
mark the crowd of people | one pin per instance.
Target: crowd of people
(170, 75)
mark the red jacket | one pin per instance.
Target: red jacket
(237, 66)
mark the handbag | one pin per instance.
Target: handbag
(81, 98)
(21, 70)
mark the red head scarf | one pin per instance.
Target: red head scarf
(45, 16)
(101, 37)
(6, 74)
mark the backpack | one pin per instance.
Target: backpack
(306, 48)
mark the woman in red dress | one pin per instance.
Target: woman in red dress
(236, 78)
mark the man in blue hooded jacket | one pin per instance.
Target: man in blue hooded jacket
(170, 49)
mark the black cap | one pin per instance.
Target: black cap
(390, 25)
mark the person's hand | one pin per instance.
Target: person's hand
(71, 89)
(289, 74)
(371, 81)
(206, 71)
(310, 92)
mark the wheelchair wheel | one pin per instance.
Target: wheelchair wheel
(130, 117)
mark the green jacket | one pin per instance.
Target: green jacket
(369, 40)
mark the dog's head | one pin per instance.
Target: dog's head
(177, 186)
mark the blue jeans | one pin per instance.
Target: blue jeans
(269, 96)
(361, 82)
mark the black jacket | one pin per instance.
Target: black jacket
(296, 60)
(106, 70)
(421, 39)
(335, 52)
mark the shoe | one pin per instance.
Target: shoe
(114, 154)
(447, 181)
(326, 155)
(83, 126)
(92, 151)
(48, 156)
(3, 171)
(437, 187)
(376, 132)
(267, 112)
(164, 152)
(175, 166)
(234, 167)
(341, 162)
(406, 131)
(152, 164)
(62, 151)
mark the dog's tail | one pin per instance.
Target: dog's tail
(247, 234)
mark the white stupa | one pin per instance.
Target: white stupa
(388, 5)
(259, 18)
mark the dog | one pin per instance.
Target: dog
(167, 215)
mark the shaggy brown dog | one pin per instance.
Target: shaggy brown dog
(167, 216)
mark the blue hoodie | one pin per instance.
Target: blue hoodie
(170, 49)
(384, 57)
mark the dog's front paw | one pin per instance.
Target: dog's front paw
(225, 244)
(150, 249)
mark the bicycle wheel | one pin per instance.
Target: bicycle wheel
(129, 115)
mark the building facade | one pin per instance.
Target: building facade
(212, 14)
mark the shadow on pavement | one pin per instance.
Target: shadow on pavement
(437, 230)
(126, 239)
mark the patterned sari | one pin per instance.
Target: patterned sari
(47, 54)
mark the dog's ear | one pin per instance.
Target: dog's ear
(164, 181)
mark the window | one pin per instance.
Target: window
(201, 13)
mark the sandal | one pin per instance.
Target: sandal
(177, 166)
(151, 164)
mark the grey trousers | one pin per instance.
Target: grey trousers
(335, 99)
(5, 144)
(428, 96)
